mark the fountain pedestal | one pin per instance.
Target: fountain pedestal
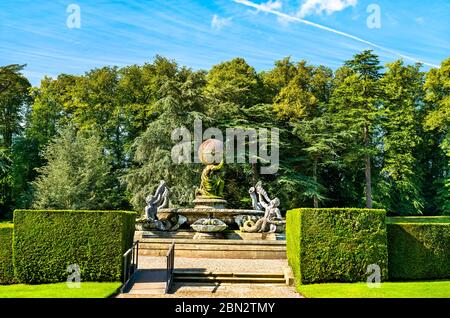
(204, 202)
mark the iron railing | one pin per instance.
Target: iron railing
(170, 266)
(130, 264)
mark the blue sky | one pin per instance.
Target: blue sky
(200, 34)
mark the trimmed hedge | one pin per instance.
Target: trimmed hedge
(6, 254)
(47, 242)
(419, 248)
(336, 245)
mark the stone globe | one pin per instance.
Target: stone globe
(211, 152)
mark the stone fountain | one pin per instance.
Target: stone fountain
(210, 216)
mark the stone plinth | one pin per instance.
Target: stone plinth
(232, 245)
(209, 203)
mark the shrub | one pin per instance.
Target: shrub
(335, 245)
(419, 247)
(47, 242)
(6, 255)
(77, 175)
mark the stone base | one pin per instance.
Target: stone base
(209, 203)
(233, 245)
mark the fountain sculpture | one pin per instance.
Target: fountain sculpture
(209, 217)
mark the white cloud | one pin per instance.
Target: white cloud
(328, 6)
(297, 19)
(217, 23)
(271, 5)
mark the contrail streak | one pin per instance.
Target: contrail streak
(291, 18)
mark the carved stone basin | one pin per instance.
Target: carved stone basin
(194, 214)
(209, 226)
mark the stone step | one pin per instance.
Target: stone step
(223, 277)
(233, 280)
(214, 248)
(210, 250)
(182, 273)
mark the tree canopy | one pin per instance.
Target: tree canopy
(361, 135)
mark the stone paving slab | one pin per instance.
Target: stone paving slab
(181, 290)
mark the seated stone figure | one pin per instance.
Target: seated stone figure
(272, 218)
(157, 201)
(271, 215)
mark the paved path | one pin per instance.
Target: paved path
(150, 280)
(224, 291)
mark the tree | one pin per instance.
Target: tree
(355, 101)
(235, 84)
(233, 87)
(76, 176)
(278, 77)
(303, 101)
(5, 178)
(180, 104)
(116, 104)
(14, 100)
(437, 122)
(401, 175)
(14, 97)
(323, 139)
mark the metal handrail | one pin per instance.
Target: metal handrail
(170, 258)
(130, 265)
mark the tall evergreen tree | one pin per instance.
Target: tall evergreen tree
(402, 98)
(355, 103)
(14, 102)
(76, 176)
(437, 122)
(181, 103)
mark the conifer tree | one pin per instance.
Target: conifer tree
(356, 104)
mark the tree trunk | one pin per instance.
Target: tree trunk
(368, 184)
(315, 200)
(368, 172)
(255, 173)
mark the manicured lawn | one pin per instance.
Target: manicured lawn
(418, 219)
(59, 290)
(433, 289)
(5, 224)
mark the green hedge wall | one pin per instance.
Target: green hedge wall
(47, 242)
(6, 254)
(419, 248)
(335, 245)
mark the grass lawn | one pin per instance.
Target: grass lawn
(59, 290)
(418, 219)
(423, 289)
(5, 224)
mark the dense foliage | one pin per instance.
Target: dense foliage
(336, 245)
(47, 242)
(419, 248)
(362, 135)
(76, 168)
(6, 254)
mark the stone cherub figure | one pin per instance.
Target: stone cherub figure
(272, 217)
(157, 201)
